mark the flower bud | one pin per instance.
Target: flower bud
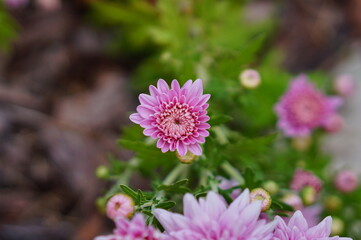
(186, 159)
(271, 187)
(333, 123)
(332, 203)
(301, 143)
(308, 195)
(344, 85)
(102, 172)
(338, 226)
(120, 205)
(250, 79)
(346, 181)
(293, 200)
(259, 194)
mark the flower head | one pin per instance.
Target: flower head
(298, 228)
(344, 85)
(175, 116)
(135, 229)
(303, 178)
(303, 108)
(250, 78)
(210, 218)
(120, 205)
(346, 181)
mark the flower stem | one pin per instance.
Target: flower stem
(175, 173)
(233, 172)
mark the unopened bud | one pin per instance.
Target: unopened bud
(346, 181)
(102, 172)
(188, 158)
(250, 78)
(333, 203)
(293, 200)
(271, 187)
(338, 226)
(301, 143)
(120, 205)
(344, 85)
(259, 194)
(333, 123)
(308, 195)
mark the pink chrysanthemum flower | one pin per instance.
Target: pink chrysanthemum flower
(298, 229)
(135, 229)
(346, 181)
(209, 218)
(176, 116)
(303, 108)
(303, 178)
(119, 205)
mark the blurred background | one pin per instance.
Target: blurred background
(67, 86)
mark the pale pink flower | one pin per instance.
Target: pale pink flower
(333, 123)
(226, 184)
(135, 229)
(120, 205)
(293, 200)
(298, 229)
(346, 181)
(210, 218)
(303, 178)
(344, 85)
(303, 108)
(176, 116)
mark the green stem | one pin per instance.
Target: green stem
(175, 173)
(124, 178)
(233, 172)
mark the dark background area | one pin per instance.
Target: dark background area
(63, 101)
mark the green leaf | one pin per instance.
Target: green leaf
(219, 119)
(166, 205)
(130, 192)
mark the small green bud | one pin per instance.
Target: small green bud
(102, 172)
(338, 226)
(271, 186)
(308, 195)
(333, 203)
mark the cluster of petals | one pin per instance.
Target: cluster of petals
(298, 229)
(175, 116)
(303, 178)
(303, 108)
(135, 229)
(210, 218)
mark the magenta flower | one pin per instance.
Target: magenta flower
(211, 219)
(303, 178)
(176, 116)
(303, 108)
(135, 229)
(346, 181)
(298, 229)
